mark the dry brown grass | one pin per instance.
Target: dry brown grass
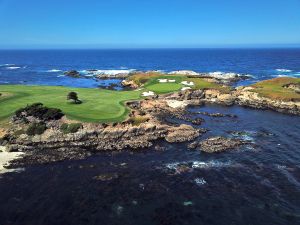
(275, 89)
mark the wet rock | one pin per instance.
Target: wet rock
(182, 133)
(197, 121)
(129, 83)
(220, 144)
(193, 145)
(72, 73)
(106, 177)
(159, 148)
(217, 114)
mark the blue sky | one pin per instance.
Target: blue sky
(148, 23)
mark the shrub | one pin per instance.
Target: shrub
(137, 120)
(36, 129)
(40, 112)
(70, 128)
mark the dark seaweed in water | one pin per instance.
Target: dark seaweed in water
(259, 185)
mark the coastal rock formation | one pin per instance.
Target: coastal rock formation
(182, 133)
(72, 73)
(55, 145)
(245, 96)
(112, 76)
(129, 83)
(217, 144)
(295, 87)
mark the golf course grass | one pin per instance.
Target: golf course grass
(98, 105)
(153, 84)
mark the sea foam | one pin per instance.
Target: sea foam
(53, 71)
(13, 67)
(284, 70)
(106, 72)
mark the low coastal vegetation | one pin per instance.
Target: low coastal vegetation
(282, 88)
(70, 128)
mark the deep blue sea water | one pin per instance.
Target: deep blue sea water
(257, 184)
(45, 67)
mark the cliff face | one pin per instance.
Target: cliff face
(245, 96)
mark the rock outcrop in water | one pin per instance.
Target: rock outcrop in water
(217, 144)
(72, 73)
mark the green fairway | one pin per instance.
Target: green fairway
(98, 105)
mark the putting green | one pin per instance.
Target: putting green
(98, 105)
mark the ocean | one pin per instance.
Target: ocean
(46, 67)
(256, 184)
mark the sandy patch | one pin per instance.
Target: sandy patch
(2, 132)
(6, 157)
(176, 104)
(185, 88)
(149, 93)
(187, 83)
(162, 80)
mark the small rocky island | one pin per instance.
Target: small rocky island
(47, 134)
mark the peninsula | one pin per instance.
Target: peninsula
(39, 121)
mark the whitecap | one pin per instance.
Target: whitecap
(200, 181)
(7, 64)
(61, 76)
(53, 71)
(228, 75)
(13, 67)
(184, 72)
(283, 70)
(279, 75)
(198, 164)
(106, 72)
(210, 164)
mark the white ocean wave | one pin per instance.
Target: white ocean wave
(284, 70)
(184, 72)
(198, 164)
(106, 72)
(53, 71)
(200, 181)
(210, 164)
(227, 75)
(13, 67)
(7, 64)
(279, 75)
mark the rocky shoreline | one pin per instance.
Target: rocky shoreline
(147, 123)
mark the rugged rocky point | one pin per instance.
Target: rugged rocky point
(72, 73)
(217, 144)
